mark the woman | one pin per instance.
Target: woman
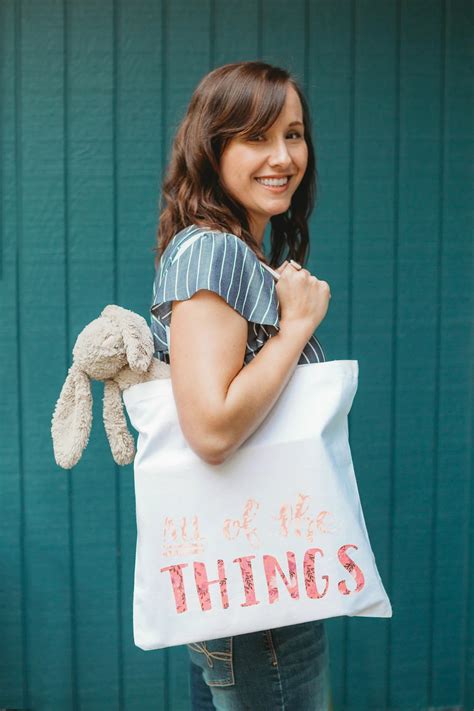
(242, 157)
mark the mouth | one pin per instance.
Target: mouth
(275, 185)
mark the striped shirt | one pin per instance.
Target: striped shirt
(198, 258)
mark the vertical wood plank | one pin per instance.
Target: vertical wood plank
(451, 629)
(48, 582)
(89, 179)
(139, 131)
(417, 354)
(330, 96)
(372, 289)
(283, 35)
(235, 31)
(13, 672)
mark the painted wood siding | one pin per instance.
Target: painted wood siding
(91, 94)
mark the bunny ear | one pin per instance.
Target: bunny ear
(136, 335)
(121, 441)
(72, 419)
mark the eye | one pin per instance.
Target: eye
(257, 136)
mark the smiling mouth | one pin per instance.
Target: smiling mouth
(275, 184)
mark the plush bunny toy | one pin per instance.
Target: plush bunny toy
(116, 348)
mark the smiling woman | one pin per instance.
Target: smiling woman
(245, 121)
(242, 157)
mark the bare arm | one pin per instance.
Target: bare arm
(221, 403)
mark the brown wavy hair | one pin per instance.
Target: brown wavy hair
(235, 99)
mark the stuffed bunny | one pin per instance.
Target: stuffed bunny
(117, 348)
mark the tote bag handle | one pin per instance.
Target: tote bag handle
(275, 274)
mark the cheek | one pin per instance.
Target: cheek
(232, 168)
(302, 158)
(246, 162)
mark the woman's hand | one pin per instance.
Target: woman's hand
(304, 299)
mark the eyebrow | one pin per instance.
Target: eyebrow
(295, 123)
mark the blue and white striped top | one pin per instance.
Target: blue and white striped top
(199, 258)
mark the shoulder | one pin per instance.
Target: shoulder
(199, 258)
(199, 239)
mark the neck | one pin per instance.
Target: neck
(258, 233)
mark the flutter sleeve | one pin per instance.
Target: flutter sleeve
(219, 262)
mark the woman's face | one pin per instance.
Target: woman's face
(276, 154)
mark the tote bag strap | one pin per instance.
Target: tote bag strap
(274, 274)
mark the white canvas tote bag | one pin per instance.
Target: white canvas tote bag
(273, 536)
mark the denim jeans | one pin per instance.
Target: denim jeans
(283, 668)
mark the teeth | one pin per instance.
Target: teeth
(276, 182)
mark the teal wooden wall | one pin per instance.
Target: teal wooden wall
(91, 93)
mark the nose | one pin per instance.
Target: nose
(279, 154)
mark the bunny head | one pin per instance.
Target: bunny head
(119, 339)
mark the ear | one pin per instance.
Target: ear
(121, 441)
(136, 335)
(72, 419)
